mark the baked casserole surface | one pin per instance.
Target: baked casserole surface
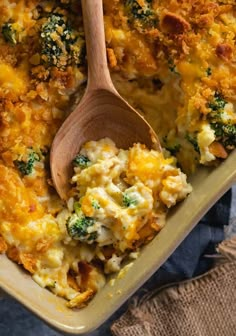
(174, 61)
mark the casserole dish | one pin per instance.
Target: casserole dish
(208, 186)
(58, 68)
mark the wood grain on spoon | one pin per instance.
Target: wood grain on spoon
(101, 112)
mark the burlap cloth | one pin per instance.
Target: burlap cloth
(204, 306)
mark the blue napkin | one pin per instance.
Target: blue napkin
(189, 259)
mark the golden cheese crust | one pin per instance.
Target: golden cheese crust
(175, 62)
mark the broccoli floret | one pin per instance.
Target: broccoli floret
(230, 131)
(56, 37)
(95, 204)
(77, 227)
(172, 66)
(9, 33)
(61, 45)
(218, 103)
(81, 161)
(193, 140)
(143, 15)
(226, 133)
(208, 71)
(217, 127)
(174, 149)
(25, 167)
(128, 201)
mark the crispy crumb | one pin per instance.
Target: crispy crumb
(111, 58)
(218, 150)
(174, 24)
(224, 51)
(81, 300)
(3, 245)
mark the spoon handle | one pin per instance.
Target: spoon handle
(98, 72)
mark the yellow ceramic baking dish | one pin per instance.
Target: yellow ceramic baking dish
(208, 186)
(208, 183)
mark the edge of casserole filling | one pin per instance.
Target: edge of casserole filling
(172, 61)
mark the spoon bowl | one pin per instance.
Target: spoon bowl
(101, 112)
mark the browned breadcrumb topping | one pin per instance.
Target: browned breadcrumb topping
(193, 51)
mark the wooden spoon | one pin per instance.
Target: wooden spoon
(101, 112)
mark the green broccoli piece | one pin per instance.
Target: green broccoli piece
(209, 71)
(174, 149)
(26, 167)
(226, 133)
(143, 15)
(128, 201)
(193, 140)
(9, 33)
(217, 105)
(55, 36)
(61, 45)
(172, 66)
(230, 130)
(96, 205)
(77, 227)
(217, 127)
(81, 161)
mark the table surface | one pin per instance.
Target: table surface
(17, 321)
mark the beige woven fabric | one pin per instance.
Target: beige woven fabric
(205, 306)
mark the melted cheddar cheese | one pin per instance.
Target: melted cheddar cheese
(121, 196)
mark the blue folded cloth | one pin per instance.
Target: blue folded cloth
(188, 259)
